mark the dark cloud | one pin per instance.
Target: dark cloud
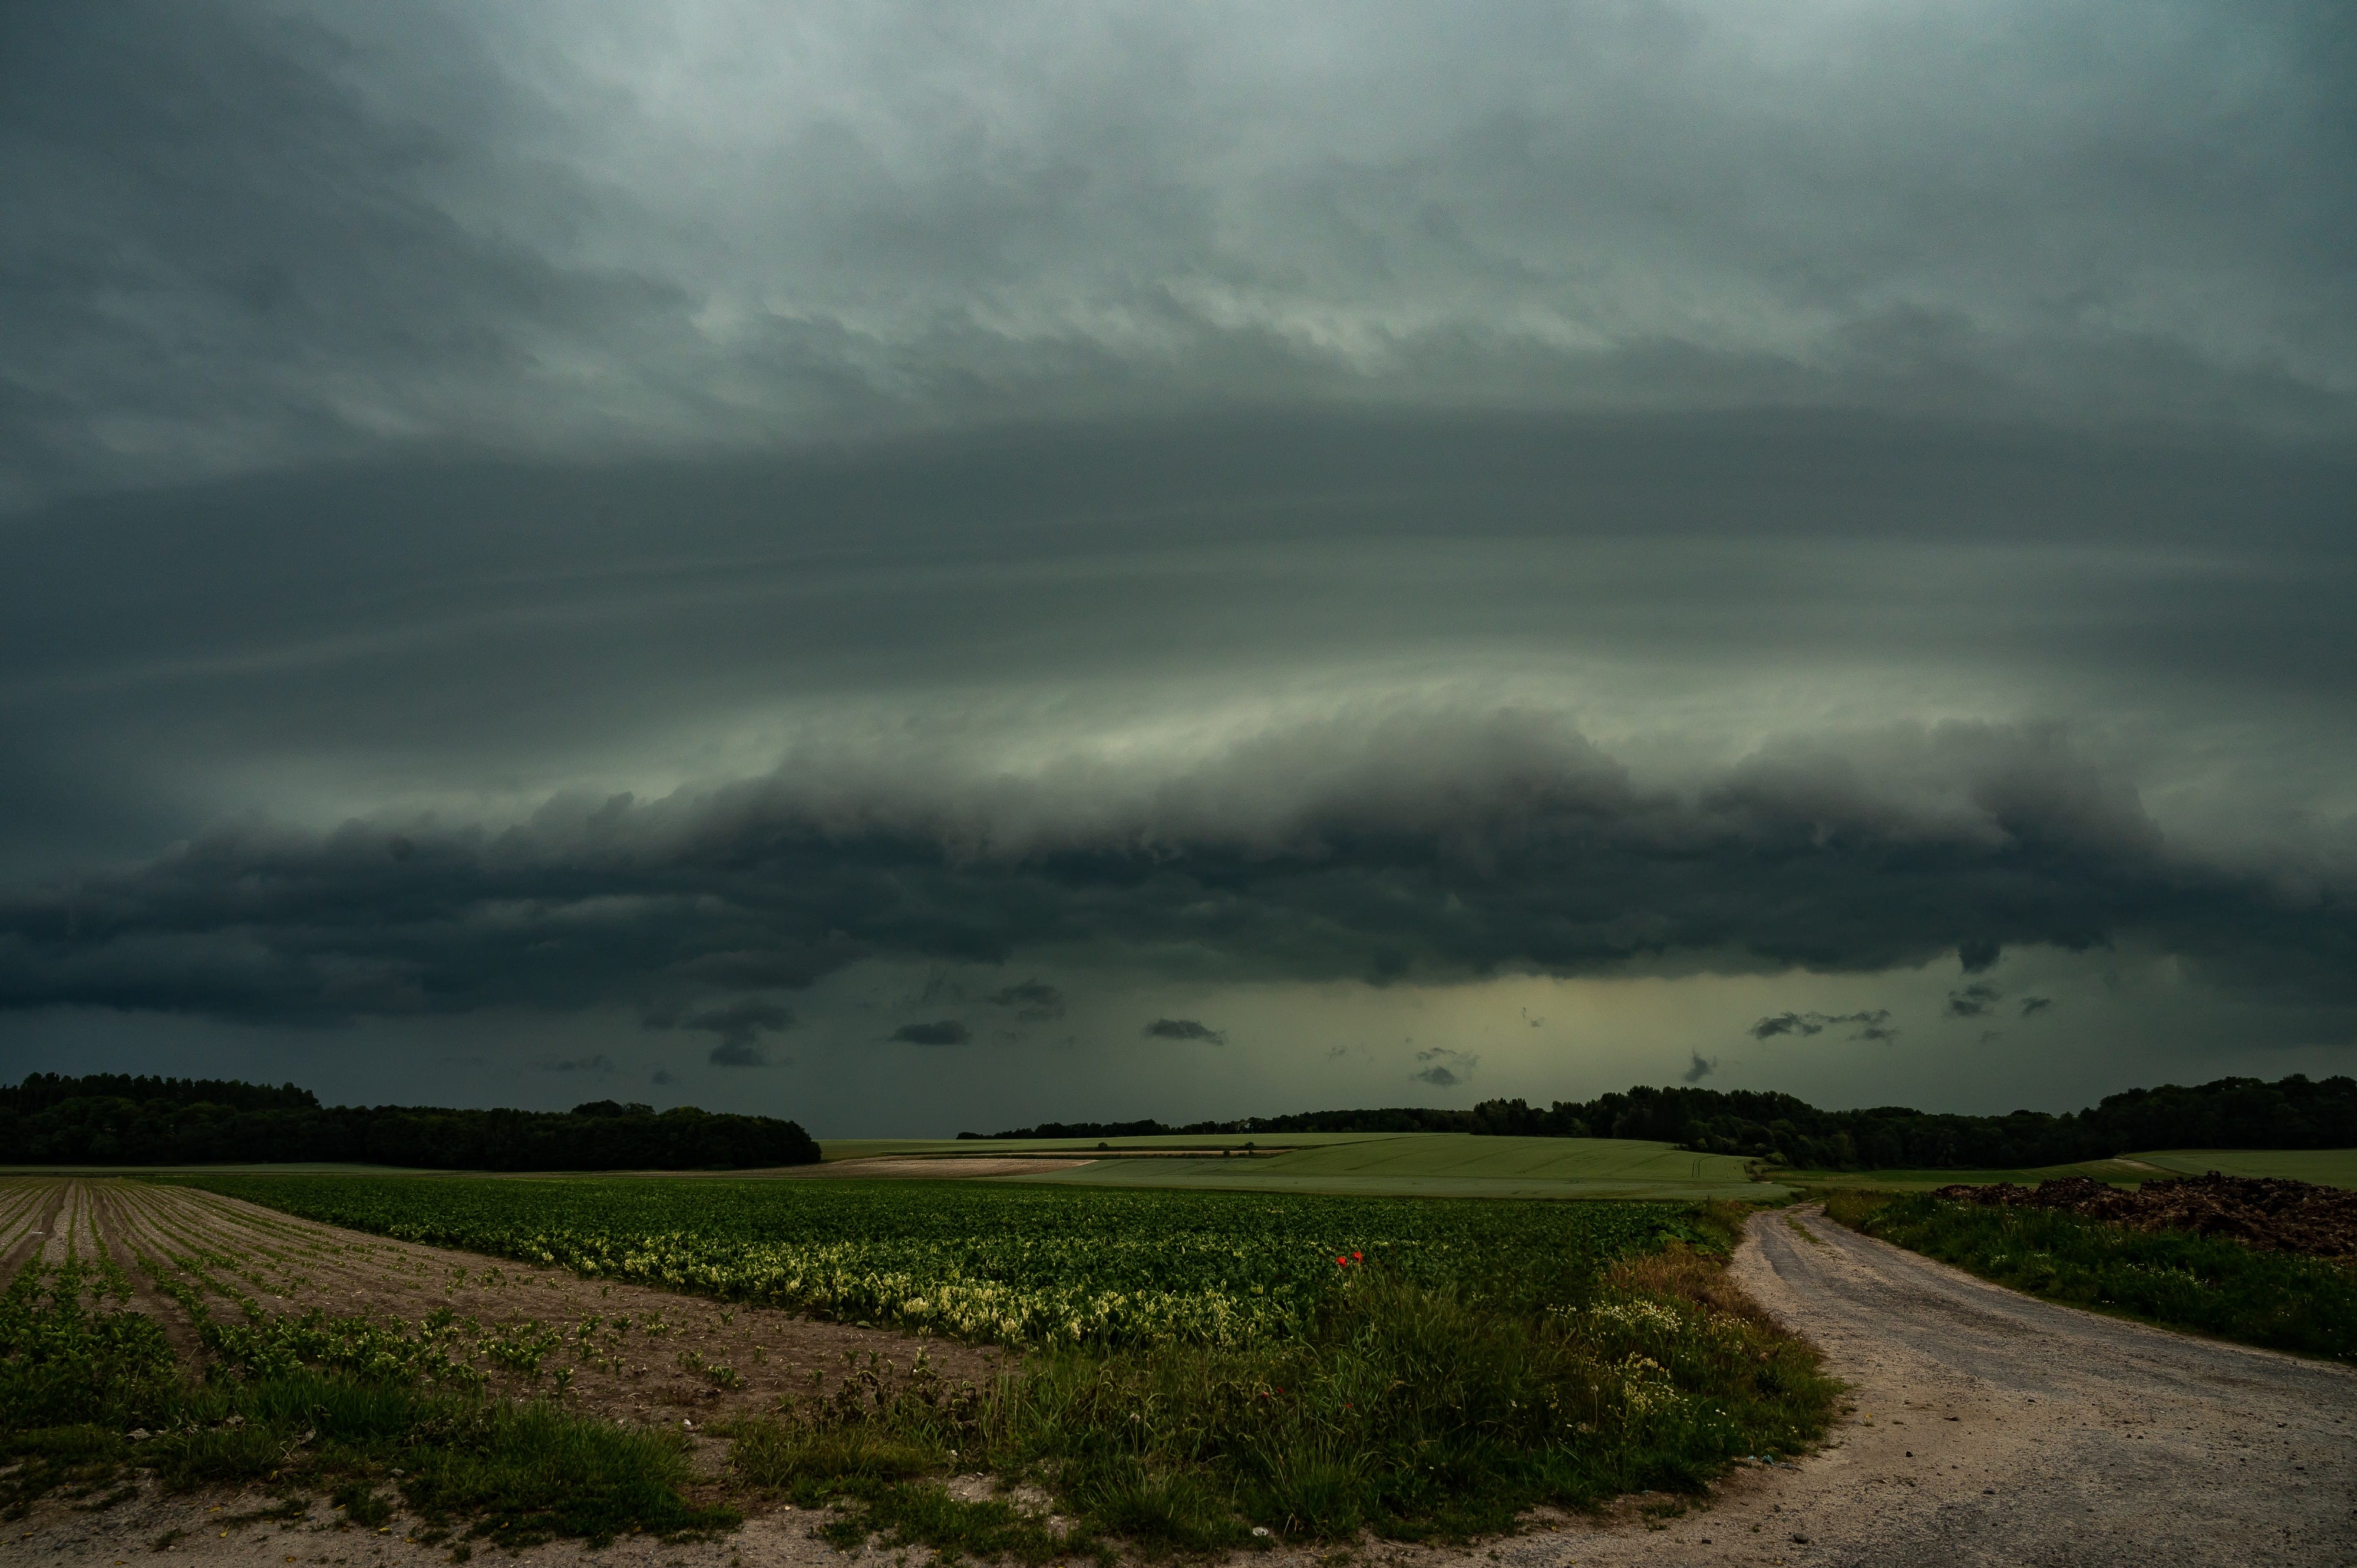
(1699, 1069)
(1184, 1029)
(947, 1031)
(662, 1077)
(1973, 1001)
(1464, 846)
(399, 429)
(1874, 1024)
(2035, 1004)
(257, 236)
(1034, 1001)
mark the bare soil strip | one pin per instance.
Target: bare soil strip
(642, 1361)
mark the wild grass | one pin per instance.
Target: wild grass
(2175, 1278)
(90, 1398)
(1411, 1411)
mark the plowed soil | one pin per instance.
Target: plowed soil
(627, 1367)
(2259, 1212)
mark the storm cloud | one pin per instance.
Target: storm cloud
(1463, 847)
(705, 522)
(331, 229)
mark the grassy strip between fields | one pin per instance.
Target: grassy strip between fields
(1406, 1411)
(89, 1394)
(2276, 1299)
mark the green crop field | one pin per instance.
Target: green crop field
(1017, 1264)
(1198, 1363)
(2326, 1167)
(976, 1148)
(2117, 1170)
(1197, 1369)
(1447, 1164)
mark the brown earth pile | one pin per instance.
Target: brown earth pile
(2266, 1212)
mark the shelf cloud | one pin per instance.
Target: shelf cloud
(570, 534)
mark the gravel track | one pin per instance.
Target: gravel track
(1993, 1428)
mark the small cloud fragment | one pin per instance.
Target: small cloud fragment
(1974, 1001)
(2033, 1005)
(739, 1023)
(1444, 1068)
(1700, 1069)
(1871, 1023)
(1184, 1029)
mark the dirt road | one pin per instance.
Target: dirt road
(1991, 1428)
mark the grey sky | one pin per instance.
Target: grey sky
(1346, 515)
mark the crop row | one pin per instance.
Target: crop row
(1016, 1265)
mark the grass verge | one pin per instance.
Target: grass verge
(90, 1397)
(2273, 1299)
(1408, 1410)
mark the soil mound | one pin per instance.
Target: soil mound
(2275, 1215)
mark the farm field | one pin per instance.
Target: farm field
(1175, 1143)
(1003, 1261)
(2326, 1167)
(1177, 1365)
(1451, 1165)
(1924, 1180)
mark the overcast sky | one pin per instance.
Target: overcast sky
(922, 567)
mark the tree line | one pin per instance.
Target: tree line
(116, 1119)
(2295, 1112)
